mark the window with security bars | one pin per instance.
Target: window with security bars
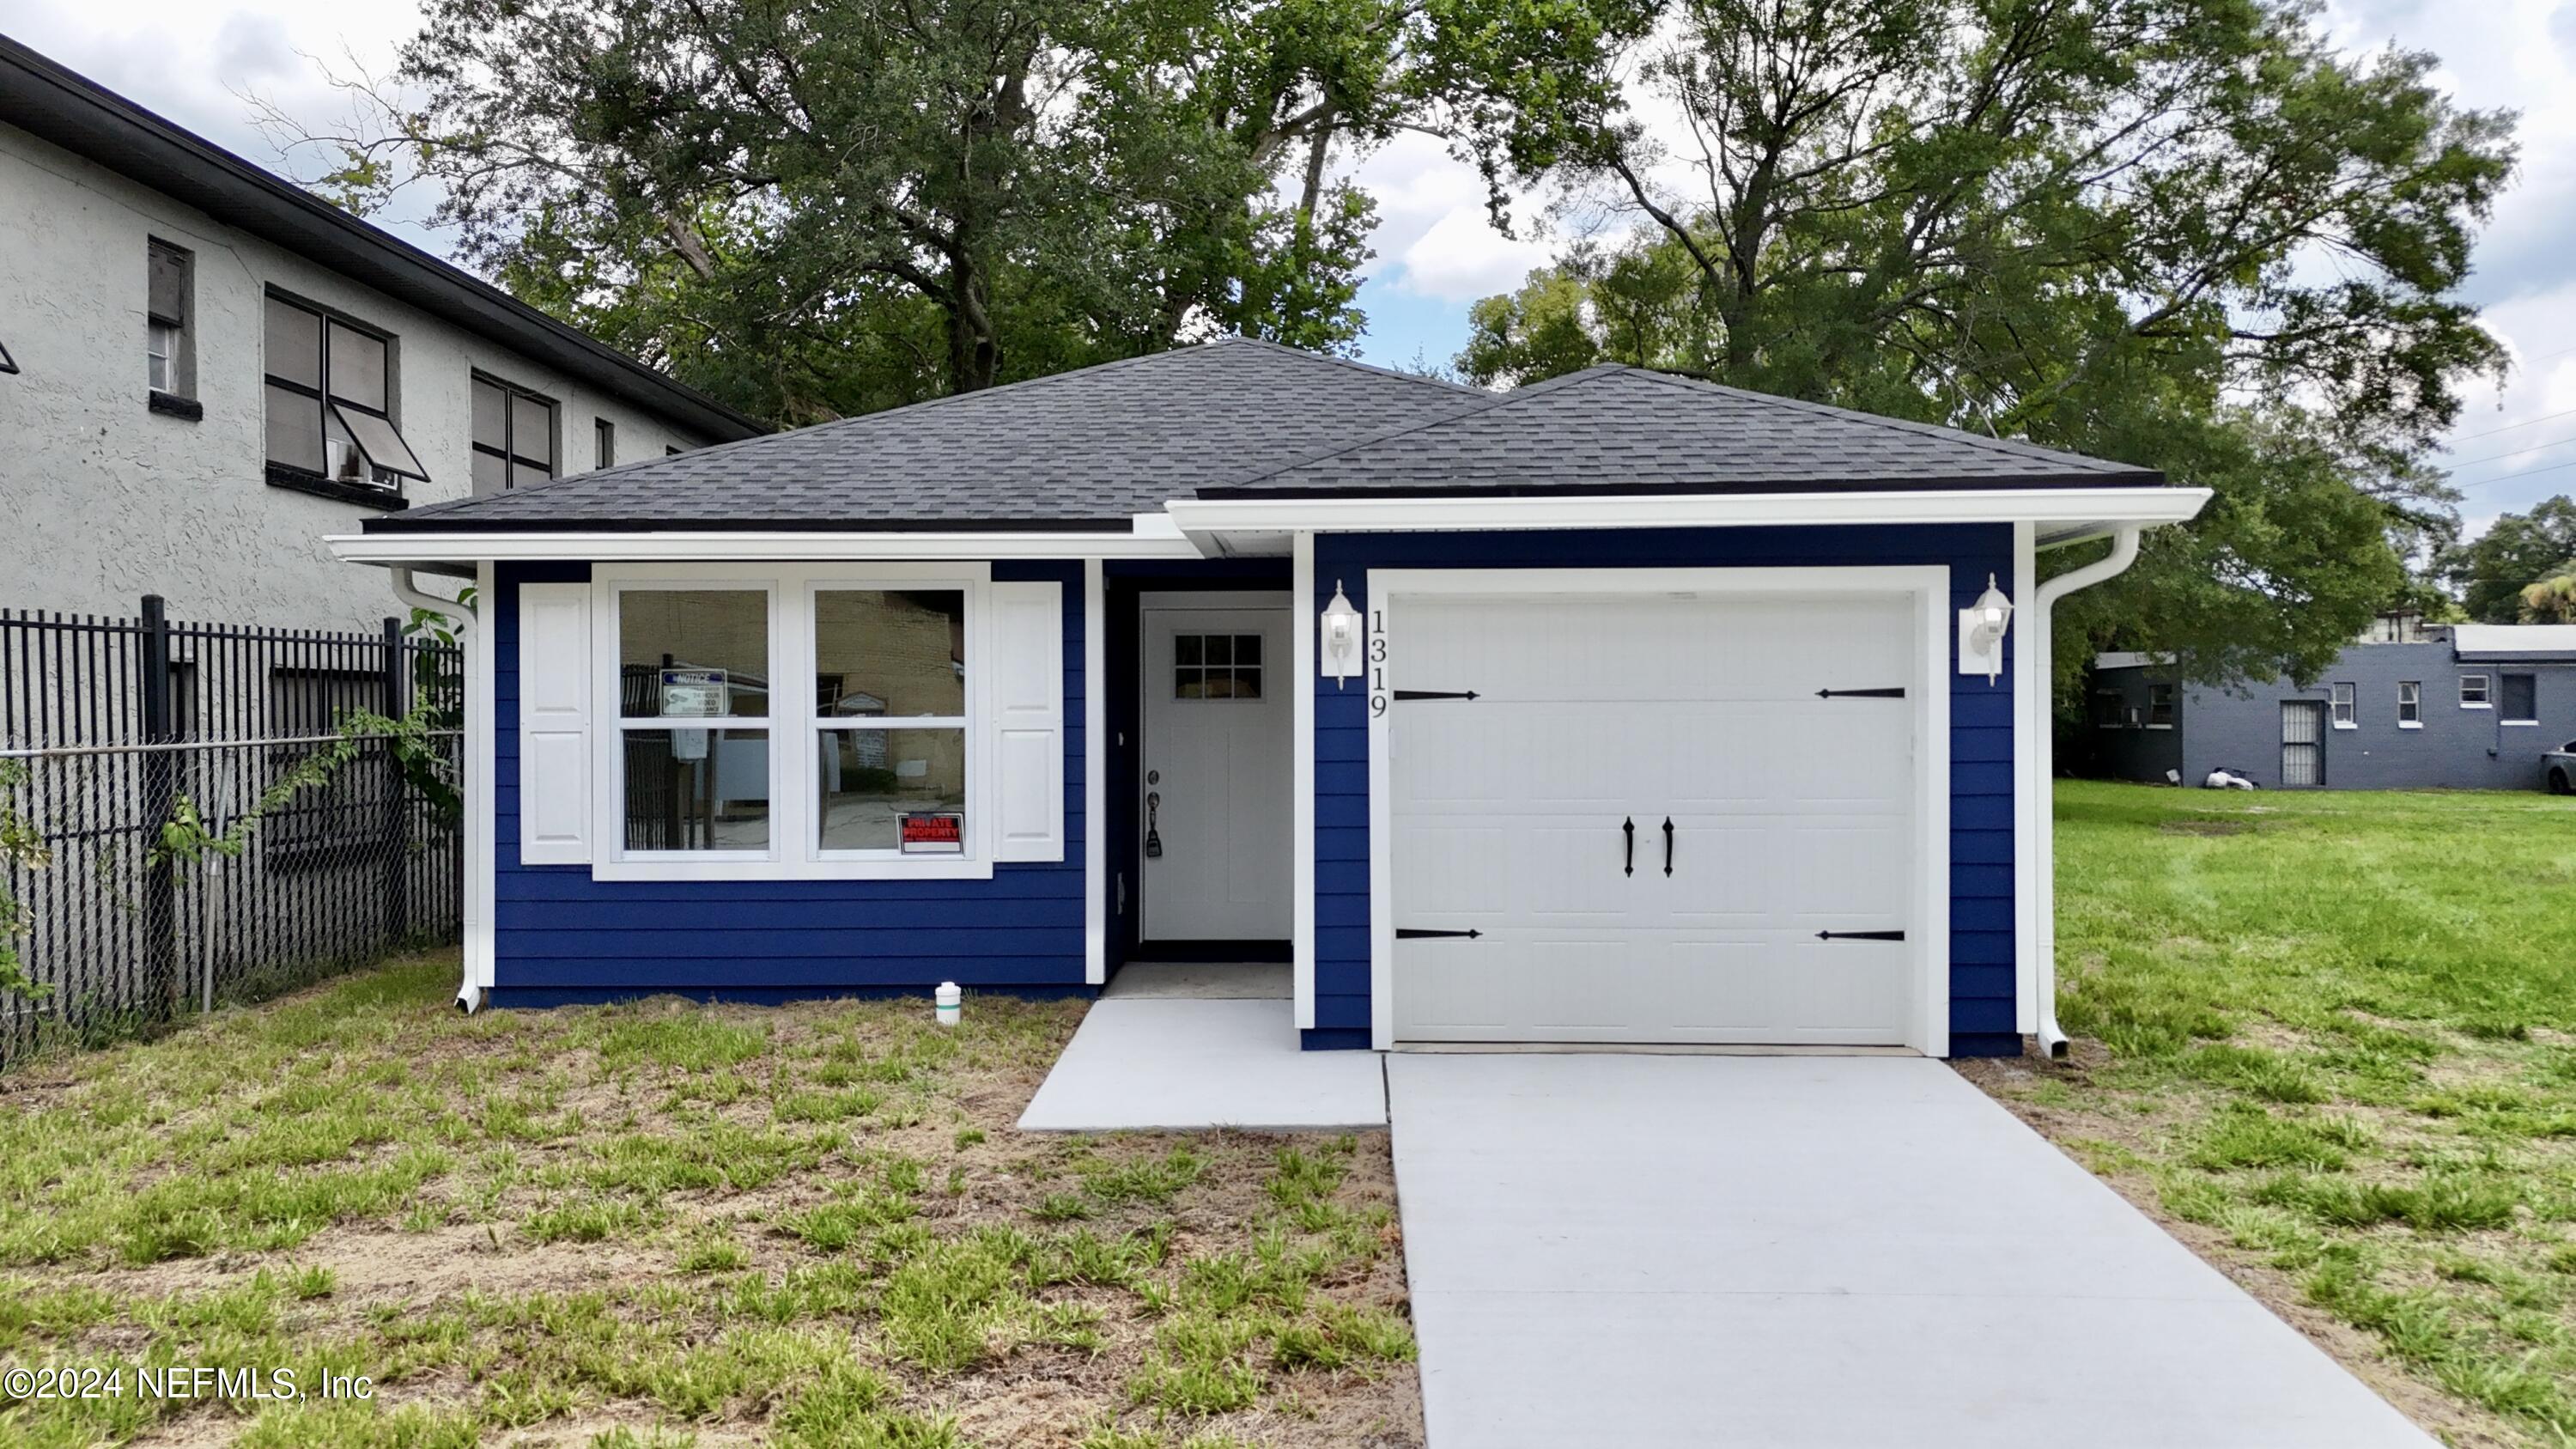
(1216, 666)
(306, 705)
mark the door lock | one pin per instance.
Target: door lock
(1153, 836)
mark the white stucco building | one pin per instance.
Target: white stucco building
(204, 371)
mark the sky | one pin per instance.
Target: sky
(196, 61)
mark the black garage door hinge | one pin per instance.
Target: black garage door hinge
(1860, 935)
(1408, 933)
(1892, 692)
(1404, 694)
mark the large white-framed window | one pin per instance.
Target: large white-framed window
(2473, 692)
(2410, 704)
(2345, 701)
(809, 721)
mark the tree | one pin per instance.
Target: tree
(2550, 601)
(2517, 551)
(2176, 233)
(818, 207)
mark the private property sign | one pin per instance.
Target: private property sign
(939, 833)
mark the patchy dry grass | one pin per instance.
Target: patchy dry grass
(2330, 1040)
(665, 1224)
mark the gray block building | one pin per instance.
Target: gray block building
(2440, 707)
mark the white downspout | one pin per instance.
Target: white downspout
(2036, 639)
(469, 992)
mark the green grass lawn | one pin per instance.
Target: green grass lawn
(2331, 1039)
(668, 1224)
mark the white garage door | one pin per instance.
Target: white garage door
(1648, 815)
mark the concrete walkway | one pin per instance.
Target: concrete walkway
(1147, 1063)
(1792, 1251)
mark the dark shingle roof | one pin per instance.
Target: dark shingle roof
(1631, 430)
(1089, 448)
(1246, 419)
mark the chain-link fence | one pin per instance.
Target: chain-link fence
(186, 815)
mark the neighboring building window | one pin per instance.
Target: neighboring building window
(1216, 666)
(2473, 692)
(312, 829)
(2345, 710)
(693, 671)
(890, 713)
(2160, 706)
(2521, 699)
(329, 401)
(169, 288)
(514, 436)
(605, 435)
(2108, 709)
(2410, 703)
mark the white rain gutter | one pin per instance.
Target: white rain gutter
(469, 991)
(2036, 639)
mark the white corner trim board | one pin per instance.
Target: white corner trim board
(1095, 774)
(1301, 755)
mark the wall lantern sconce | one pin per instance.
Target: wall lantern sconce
(1981, 633)
(1340, 637)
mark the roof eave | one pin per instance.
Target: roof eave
(57, 105)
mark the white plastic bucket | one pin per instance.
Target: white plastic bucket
(950, 1002)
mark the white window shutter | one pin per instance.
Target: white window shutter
(554, 724)
(1026, 731)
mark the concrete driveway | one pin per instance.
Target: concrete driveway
(1830, 1251)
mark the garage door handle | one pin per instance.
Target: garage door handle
(1628, 827)
(1860, 935)
(1668, 845)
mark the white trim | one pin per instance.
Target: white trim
(2519, 724)
(789, 855)
(750, 546)
(2476, 704)
(1095, 774)
(2410, 724)
(482, 794)
(2032, 682)
(1928, 585)
(1301, 774)
(1205, 518)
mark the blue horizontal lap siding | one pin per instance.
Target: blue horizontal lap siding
(1981, 784)
(561, 937)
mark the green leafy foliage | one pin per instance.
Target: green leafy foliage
(2099, 225)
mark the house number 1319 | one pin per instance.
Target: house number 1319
(1377, 662)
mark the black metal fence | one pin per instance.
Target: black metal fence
(153, 859)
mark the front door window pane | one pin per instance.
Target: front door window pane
(871, 778)
(693, 652)
(890, 653)
(697, 789)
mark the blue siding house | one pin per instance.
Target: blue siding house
(2448, 707)
(1617, 708)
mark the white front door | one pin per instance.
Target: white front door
(1216, 772)
(1648, 814)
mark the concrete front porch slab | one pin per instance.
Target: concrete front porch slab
(1166, 1064)
(1202, 980)
(1812, 1251)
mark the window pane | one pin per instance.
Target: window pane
(294, 345)
(294, 430)
(532, 429)
(1218, 648)
(1185, 649)
(1190, 683)
(377, 439)
(2520, 698)
(523, 475)
(694, 652)
(606, 437)
(490, 474)
(1247, 648)
(697, 789)
(340, 451)
(1244, 684)
(871, 779)
(357, 367)
(491, 417)
(890, 652)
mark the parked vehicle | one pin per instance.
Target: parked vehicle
(2561, 766)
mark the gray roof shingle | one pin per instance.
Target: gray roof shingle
(1239, 418)
(1631, 429)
